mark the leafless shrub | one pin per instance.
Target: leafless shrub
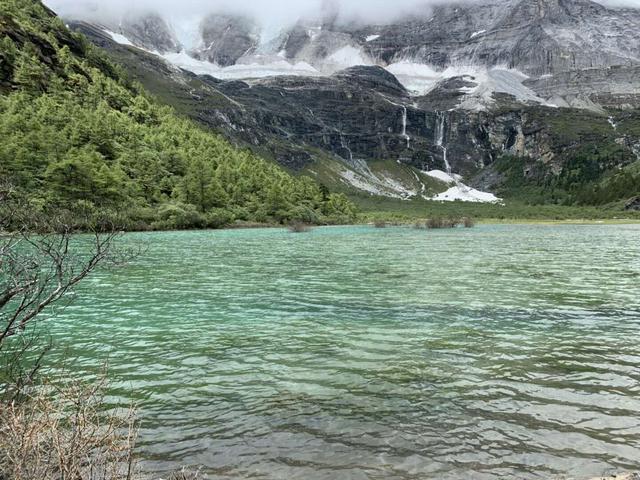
(441, 222)
(435, 222)
(380, 224)
(451, 222)
(299, 227)
(468, 222)
(41, 261)
(53, 431)
(62, 431)
(419, 226)
(186, 474)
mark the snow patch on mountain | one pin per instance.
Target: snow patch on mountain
(443, 176)
(386, 184)
(118, 38)
(479, 32)
(458, 191)
(260, 68)
(463, 193)
(420, 79)
(497, 80)
(346, 57)
(187, 31)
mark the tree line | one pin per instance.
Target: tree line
(78, 133)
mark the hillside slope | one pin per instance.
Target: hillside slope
(76, 133)
(361, 129)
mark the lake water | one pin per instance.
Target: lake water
(363, 353)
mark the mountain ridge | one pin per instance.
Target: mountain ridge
(340, 127)
(530, 49)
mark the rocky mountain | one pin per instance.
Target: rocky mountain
(532, 49)
(455, 90)
(150, 32)
(226, 39)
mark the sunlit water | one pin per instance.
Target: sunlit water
(355, 353)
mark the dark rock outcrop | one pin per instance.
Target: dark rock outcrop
(633, 204)
(363, 114)
(150, 32)
(225, 39)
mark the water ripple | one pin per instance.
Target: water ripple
(357, 353)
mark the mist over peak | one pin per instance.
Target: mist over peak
(268, 13)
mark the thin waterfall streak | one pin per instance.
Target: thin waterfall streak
(404, 126)
(345, 145)
(440, 131)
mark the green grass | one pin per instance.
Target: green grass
(522, 207)
(389, 209)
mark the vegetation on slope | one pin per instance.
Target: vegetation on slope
(77, 133)
(587, 179)
(593, 164)
(408, 211)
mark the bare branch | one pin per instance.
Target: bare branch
(43, 257)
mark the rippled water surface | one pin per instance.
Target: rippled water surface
(355, 353)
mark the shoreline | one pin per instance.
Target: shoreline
(410, 224)
(392, 224)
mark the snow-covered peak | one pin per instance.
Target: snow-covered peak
(492, 46)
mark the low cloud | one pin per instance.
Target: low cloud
(267, 12)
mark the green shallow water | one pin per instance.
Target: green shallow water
(358, 353)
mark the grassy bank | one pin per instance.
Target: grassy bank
(512, 211)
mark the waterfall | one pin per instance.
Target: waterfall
(441, 120)
(358, 164)
(440, 133)
(346, 147)
(404, 126)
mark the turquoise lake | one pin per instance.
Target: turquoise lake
(363, 353)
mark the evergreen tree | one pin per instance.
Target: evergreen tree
(75, 129)
(201, 188)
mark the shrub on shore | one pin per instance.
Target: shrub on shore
(380, 224)
(185, 474)
(449, 222)
(436, 222)
(299, 227)
(468, 222)
(64, 431)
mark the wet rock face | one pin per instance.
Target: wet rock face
(363, 114)
(301, 120)
(537, 37)
(225, 39)
(633, 204)
(612, 87)
(150, 32)
(295, 41)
